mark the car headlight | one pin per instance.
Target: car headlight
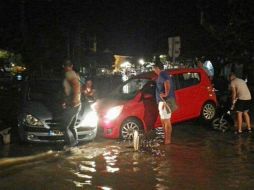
(33, 121)
(114, 112)
(90, 120)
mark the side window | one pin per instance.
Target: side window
(188, 79)
(175, 81)
(149, 88)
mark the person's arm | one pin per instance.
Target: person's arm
(65, 94)
(167, 89)
(92, 93)
(233, 89)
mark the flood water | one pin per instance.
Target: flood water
(199, 158)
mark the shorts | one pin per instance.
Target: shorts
(242, 105)
(164, 112)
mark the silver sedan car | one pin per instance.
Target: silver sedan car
(39, 118)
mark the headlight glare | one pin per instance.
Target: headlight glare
(114, 112)
(90, 120)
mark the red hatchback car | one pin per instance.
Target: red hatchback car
(132, 105)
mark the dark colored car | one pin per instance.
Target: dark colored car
(39, 118)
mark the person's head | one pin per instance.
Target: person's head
(89, 83)
(231, 76)
(158, 67)
(67, 65)
(200, 64)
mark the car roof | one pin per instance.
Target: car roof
(151, 75)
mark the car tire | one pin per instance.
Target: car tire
(208, 112)
(128, 127)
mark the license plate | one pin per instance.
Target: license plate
(55, 132)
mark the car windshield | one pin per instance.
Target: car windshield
(129, 89)
(45, 90)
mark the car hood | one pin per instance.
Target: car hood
(41, 110)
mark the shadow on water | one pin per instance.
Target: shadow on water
(199, 158)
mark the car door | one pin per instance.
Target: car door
(187, 94)
(151, 115)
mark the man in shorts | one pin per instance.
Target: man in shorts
(241, 98)
(164, 91)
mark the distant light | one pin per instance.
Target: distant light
(163, 56)
(12, 64)
(103, 70)
(125, 78)
(19, 77)
(141, 62)
(126, 64)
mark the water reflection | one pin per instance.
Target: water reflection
(86, 168)
(79, 184)
(81, 165)
(110, 156)
(198, 159)
(104, 188)
(80, 175)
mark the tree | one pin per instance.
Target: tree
(235, 35)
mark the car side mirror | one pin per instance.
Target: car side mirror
(147, 96)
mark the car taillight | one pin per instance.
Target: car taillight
(210, 90)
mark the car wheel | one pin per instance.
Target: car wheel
(128, 127)
(220, 124)
(208, 112)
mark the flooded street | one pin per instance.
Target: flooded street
(199, 158)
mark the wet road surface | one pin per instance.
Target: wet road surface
(199, 158)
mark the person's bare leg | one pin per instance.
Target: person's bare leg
(164, 125)
(167, 131)
(247, 120)
(239, 121)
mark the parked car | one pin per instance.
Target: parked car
(132, 105)
(39, 117)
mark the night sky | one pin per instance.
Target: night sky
(135, 27)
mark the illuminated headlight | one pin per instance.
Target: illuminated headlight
(114, 112)
(90, 120)
(32, 121)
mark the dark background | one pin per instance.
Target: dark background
(47, 31)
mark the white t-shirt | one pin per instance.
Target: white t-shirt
(242, 90)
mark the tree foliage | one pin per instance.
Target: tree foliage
(235, 34)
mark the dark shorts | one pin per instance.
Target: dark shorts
(242, 105)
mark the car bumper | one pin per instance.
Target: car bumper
(111, 129)
(43, 135)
